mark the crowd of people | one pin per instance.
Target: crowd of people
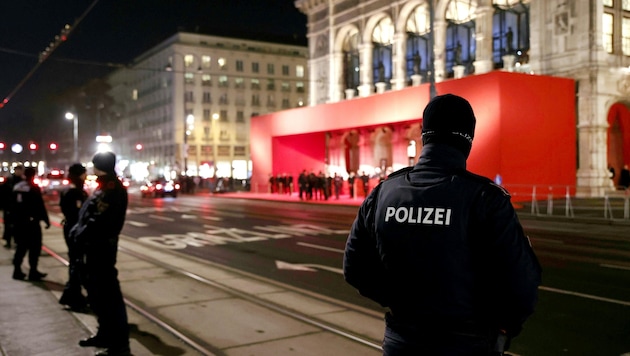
(319, 186)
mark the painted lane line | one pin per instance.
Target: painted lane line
(583, 295)
(308, 267)
(188, 216)
(614, 266)
(319, 247)
(136, 223)
(213, 218)
(158, 217)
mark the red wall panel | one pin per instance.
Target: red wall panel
(526, 129)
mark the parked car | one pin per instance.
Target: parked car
(159, 189)
(54, 182)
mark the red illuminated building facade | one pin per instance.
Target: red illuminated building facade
(549, 82)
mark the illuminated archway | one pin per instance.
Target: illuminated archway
(618, 137)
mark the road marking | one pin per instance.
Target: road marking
(137, 223)
(158, 217)
(615, 267)
(188, 216)
(213, 218)
(320, 247)
(308, 267)
(583, 295)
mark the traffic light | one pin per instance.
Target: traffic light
(2, 147)
(53, 147)
(33, 147)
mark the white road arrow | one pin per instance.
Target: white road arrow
(306, 267)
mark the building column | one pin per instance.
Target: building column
(365, 55)
(336, 81)
(439, 47)
(593, 178)
(399, 61)
(483, 38)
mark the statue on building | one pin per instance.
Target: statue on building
(458, 54)
(509, 38)
(381, 72)
(417, 60)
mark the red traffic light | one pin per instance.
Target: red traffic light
(2, 146)
(32, 146)
(52, 146)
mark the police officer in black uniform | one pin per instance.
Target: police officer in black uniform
(443, 249)
(101, 219)
(27, 211)
(70, 202)
(6, 197)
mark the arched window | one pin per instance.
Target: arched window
(351, 60)
(418, 51)
(460, 35)
(382, 39)
(510, 31)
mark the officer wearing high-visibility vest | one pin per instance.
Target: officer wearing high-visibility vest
(443, 249)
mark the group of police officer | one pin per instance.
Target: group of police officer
(91, 227)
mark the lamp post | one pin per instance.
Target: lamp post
(75, 118)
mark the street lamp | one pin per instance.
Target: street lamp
(75, 118)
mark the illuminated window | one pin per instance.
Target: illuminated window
(206, 80)
(222, 63)
(607, 27)
(189, 59)
(299, 71)
(239, 83)
(205, 61)
(255, 84)
(299, 87)
(189, 78)
(461, 11)
(223, 81)
(134, 94)
(616, 27)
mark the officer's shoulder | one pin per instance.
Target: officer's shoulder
(400, 172)
(487, 183)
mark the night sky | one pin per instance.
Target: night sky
(112, 32)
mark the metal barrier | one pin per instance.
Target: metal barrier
(608, 210)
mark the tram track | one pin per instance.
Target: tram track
(190, 270)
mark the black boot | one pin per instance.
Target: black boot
(18, 274)
(36, 275)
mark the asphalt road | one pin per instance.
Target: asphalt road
(584, 306)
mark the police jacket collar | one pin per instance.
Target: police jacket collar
(440, 155)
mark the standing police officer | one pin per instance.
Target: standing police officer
(443, 249)
(6, 196)
(27, 210)
(70, 202)
(101, 219)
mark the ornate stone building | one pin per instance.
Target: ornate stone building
(367, 47)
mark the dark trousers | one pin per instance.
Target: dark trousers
(7, 234)
(404, 340)
(106, 299)
(72, 289)
(28, 237)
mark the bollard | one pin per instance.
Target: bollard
(568, 208)
(550, 202)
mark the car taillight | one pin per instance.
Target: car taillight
(65, 182)
(158, 186)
